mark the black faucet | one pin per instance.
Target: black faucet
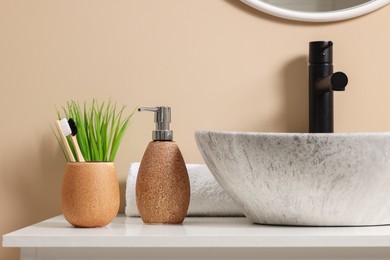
(322, 83)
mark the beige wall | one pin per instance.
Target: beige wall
(218, 64)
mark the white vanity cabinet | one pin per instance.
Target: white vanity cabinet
(197, 238)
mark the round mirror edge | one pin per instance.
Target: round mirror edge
(318, 17)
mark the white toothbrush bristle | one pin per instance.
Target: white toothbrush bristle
(65, 128)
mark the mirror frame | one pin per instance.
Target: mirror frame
(331, 16)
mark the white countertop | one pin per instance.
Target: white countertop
(195, 232)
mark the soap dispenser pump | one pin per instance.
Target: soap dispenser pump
(163, 186)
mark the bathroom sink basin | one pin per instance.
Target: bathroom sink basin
(304, 179)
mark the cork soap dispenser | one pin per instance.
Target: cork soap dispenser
(163, 186)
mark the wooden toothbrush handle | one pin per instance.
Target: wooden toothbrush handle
(77, 149)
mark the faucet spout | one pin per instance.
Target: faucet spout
(334, 82)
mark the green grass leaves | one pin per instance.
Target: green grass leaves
(100, 128)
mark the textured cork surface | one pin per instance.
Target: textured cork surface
(90, 194)
(162, 187)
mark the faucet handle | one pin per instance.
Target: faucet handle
(330, 44)
(320, 52)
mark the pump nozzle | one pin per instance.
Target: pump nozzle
(162, 118)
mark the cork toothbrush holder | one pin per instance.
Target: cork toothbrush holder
(90, 194)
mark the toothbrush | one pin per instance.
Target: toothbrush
(73, 128)
(63, 139)
(67, 130)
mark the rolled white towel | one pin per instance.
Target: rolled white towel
(208, 199)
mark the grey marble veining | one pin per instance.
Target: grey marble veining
(303, 179)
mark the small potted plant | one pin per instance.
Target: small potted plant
(90, 138)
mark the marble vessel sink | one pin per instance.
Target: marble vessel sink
(338, 179)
